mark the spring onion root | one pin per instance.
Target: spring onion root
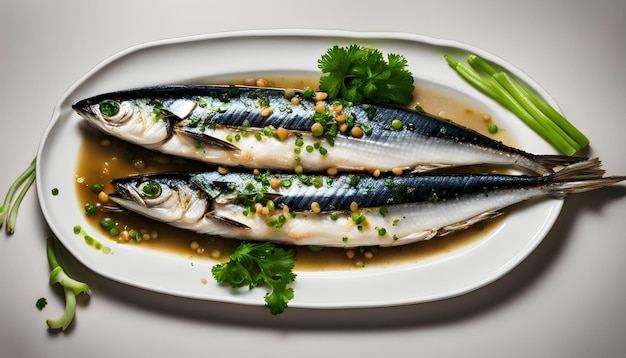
(533, 110)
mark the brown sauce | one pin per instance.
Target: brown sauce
(103, 158)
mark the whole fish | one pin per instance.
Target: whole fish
(348, 210)
(294, 130)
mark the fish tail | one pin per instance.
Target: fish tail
(546, 164)
(580, 177)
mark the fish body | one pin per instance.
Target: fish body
(271, 128)
(350, 210)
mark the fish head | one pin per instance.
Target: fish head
(168, 198)
(136, 120)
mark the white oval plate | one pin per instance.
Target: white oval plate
(238, 53)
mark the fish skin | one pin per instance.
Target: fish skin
(416, 207)
(207, 124)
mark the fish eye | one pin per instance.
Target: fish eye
(109, 107)
(151, 189)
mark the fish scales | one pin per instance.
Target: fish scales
(339, 192)
(407, 209)
(235, 128)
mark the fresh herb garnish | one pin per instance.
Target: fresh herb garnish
(357, 74)
(41, 303)
(260, 264)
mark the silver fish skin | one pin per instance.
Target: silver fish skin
(271, 128)
(320, 210)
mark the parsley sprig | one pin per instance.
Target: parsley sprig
(357, 73)
(260, 264)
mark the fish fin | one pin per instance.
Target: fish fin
(462, 225)
(227, 221)
(182, 107)
(419, 236)
(425, 168)
(547, 163)
(204, 138)
(581, 177)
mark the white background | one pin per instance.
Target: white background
(567, 299)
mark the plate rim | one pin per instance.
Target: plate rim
(310, 33)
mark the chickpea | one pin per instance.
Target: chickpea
(356, 132)
(103, 197)
(397, 171)
(332, 171)
(354, 206)
(266, 112)
(320, 96)
(320, 107)
(315, 207)
(275, 183)
(282, 133)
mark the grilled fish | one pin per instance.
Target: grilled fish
(290, 130)
(347, 210)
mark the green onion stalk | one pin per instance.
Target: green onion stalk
(9, 208)
(71, 287)
(533, 110)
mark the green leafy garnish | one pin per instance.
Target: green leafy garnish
(41, 303)
(357, 74)
(260, 264)
(520, 100)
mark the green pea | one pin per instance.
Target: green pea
(107, 223)
(96, 188)
(91, 209)
(396, 124)
(308, 93)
